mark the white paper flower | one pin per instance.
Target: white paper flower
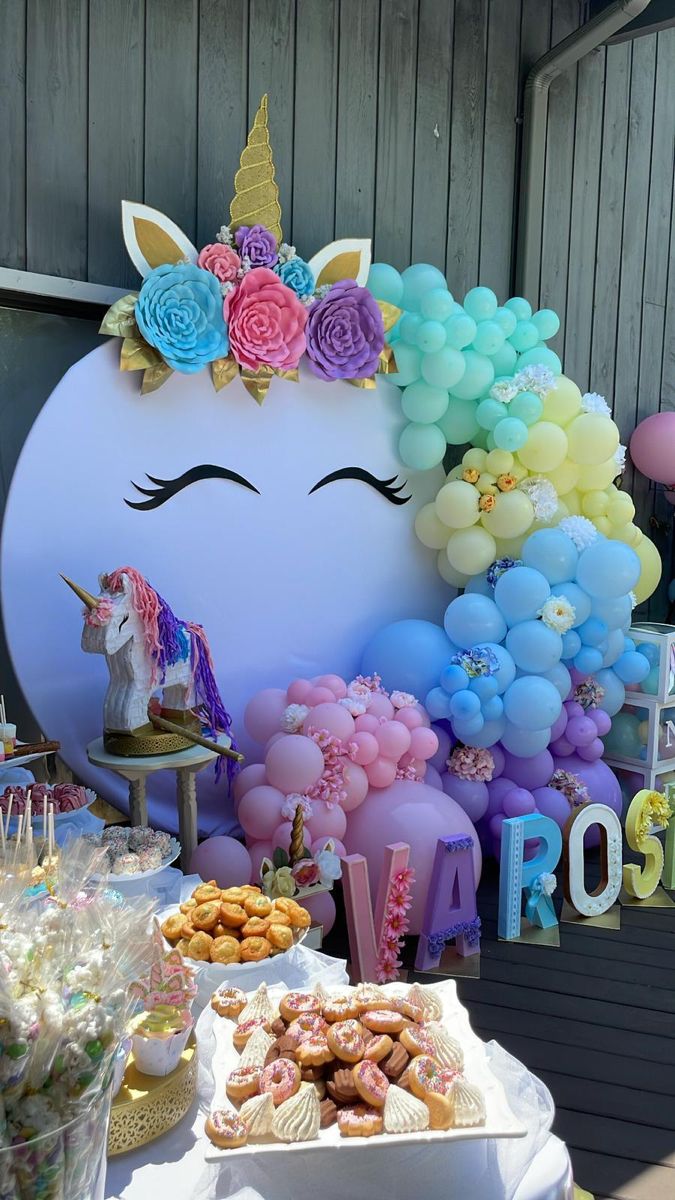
(548, 883)
(620, 457)
(291, 802)
(402, 699)
(293, 717)
(593, 402)
(581, 531)
(353, 706)
(504, 391)
(537, 379)
(543, 497)
(558, 614)
(330, 867)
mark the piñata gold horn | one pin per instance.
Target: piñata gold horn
(256, 195)
(86, 597)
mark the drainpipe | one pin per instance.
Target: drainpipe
(535, 116)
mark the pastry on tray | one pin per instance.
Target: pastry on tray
(234, 925)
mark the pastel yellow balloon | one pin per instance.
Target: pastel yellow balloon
(449, 574)
(471, 551)
(650, 561)
(594, 479)
(511, 516)
(545, 448)
(563, 402)
(628, 533)
(475, 458)
(620, 508)
(592, 439)
(510, 547)
(595, 504)
(455, 473)
(486, 483)
(519, 472)
(499, 461)
(430, 530)
(564, 477)
(603, 526)
(457, 504)
(573, 502)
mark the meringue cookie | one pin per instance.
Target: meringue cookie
(427, 1000)
(298, 1118)
(255, 1050)
(403, 1112)
(447, 1050)
(257, 1113)
(468, 1103)
(259, 1006)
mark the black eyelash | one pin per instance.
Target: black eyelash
(165, 489)
(383, 486)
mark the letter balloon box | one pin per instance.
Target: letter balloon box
(642, 737)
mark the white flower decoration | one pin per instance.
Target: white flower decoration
(286, 252)
(537, 379)
(353, 706)
(225, 235)
(593, 402)
(633, 599)
(542, 495)
(582, 531)
(402, 699)
(558, 614)
(293, 717)
(505, 391)
(548, 883)
(293, 799)
(620, 457)
(330, 867)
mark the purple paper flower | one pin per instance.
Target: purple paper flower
(345, 333)
(257, 244)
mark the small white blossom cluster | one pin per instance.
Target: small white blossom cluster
(582, 531)
(620, 458)
(542, 495)
(293, 717)
(286, 252)
(225, 235)
(592, 402)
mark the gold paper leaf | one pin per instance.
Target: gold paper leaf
(154, 377)
(390, 314)
(293, 376)
(120, 319)
(223, 371)
(256, 195)
(343, 266)
(387, 364)
(257, 382)
(155, 245)
(368, 382)
(137, 355)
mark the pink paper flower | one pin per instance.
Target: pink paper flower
(99, 615)
(266, 322)
(222, 261)
(471, 762)
(305, 873)
(395, 925)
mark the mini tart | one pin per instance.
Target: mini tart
(259, 1005)
(257, 1113)
(404, 1113)
(299, 1118)
(468, 1103)
(447, 1051)
(226, 1130)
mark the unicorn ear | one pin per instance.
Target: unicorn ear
(152, 239)
(348, 258)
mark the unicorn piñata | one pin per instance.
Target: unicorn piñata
(148, 649)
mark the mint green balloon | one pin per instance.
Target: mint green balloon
(422, 446)
(522, 308)
(540, 356)
(480, 440)
(504, 361)
(461, 330)
(477, 378)
(408, 364)
(524, 336)
(418, 279)
(459, 424)
(547, 323)
(385, 283)
(444, 369)
(430, 337)
(506, 319)
(490, 443)
(489, 338)
(527, 407)
(408, 327)
(489, 413)
(510, 434)
(423, 403)
(480, 303)
(437, 305)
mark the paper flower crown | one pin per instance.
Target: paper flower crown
(247, 304)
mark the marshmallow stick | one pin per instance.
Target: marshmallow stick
(3, 713)
(9, 811)
(28, 825)
(3, 847)
(18, 840)
(51, 831)
(44, 822)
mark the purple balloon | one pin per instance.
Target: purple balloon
(445, 744)
(561, 748)
(529, 772)
(432, 778)
(470, 794)
(518, 802)
(496, 823)
(601, 720)
(581, 731)
(602, 784)
(497, 790)
(499, 757)
(551, 803)
(574, 709)
(590, 753)
(559, 726)
(223, 859)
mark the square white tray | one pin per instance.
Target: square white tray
(500, 1120)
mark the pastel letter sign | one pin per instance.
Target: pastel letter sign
(516, 874)
(365, 931)
(595, 903)
(450, 910)
(643, 882)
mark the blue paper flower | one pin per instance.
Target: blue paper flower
(297, 275)
(180, 312)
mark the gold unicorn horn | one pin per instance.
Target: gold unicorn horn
(256, 195)
(86, 597)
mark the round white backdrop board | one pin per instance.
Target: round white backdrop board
(285, 582)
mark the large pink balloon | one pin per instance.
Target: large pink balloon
(322, 842)
(223, 859)
(262, 716)
(321, 909)
(652, 447)
(294, 764)
(298, 690)
(250, 777)
(260, 811)
(330, 822)
(393, 739)
(258, 851)
(333, 717)
(356, 786)
(413, 813)
(281, 837)
(334, 683)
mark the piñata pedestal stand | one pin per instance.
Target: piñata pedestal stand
(186, 764)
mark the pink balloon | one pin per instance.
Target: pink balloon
(250, 777)
(281, 838)
(593, 751)
(421, 710)
(415, 814)
(381, 706)
(518, 802)
(381, 773)
(393, 739)
(356, 786)
(275, 738)
(319, 695)
(334, 683)
(223, 859)
(320, 844)
(294, 764)
(410, 717)
(601, 720)
(366, 723)
(325, 821)
(321, 909)
(423, 743)
(581, 731)
(432, 777)
(260, 811)
(367, 748)
(262, 715)
(258, 851)
(652, 447)
(333, 717)
(298, 690)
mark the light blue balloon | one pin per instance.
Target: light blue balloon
(489, 413)
(547, 323)
(577, 598)
(444, 369)
(468, 728)
(614, 612)
(464, 705)
(532, 703)
(418, 279)
(623, 738)
(524, 743)
(431, 336)
(593, 632)
(615, 693)
(613, 648)
(409, 655)
(650, 651)
(608, 569)
(460, 329)
(534, 647)
(479, 583)
(520, 593)
(489, 338)
(493, 708)
(423, 403)
(480, 303)
(471, 618)
(504, 361)
(629, 644)
(437, 704)
(588, 660)
(631, 667)
(506, 671)
(561, 679)
(486, 688)
(454, 679)
(527, 407)
(408, 327)
(571, 644)
(385, 283)
(506, 319)
(552, 552)
(489, 735)
(650, 683)
(459, 423)
(422, 446)
(437, 305)
(477, 378)
(521, 308)
(408, 365)
(540, 356)
(510, 434)
(524, 336)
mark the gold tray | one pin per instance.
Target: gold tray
(147, 1106)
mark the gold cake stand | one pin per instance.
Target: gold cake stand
(147, 1106)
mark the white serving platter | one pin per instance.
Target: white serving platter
(166, 862)
(500, 1121)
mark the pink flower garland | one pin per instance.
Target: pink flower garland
(395, 926)
(331, 786)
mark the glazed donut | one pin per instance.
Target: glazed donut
(305, 1026)
(371, 1083)
(244, 1029)
(228, 1002)
(295, 1004)
(359, 1121)
(280, 936)
(416, 1041)
(383, 1020)
(426, 1076)
(314, 1051)
(379, 1046)
(233, 915)
(225, 949)
(413, 1012)
(253, 949)
(206, 915)
(225, 1129)
(257, 906)
(340, 1008)
(346, 1041)
(281, 1079)
(242, 1083)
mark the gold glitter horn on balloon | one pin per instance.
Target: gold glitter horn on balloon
(86, 597)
